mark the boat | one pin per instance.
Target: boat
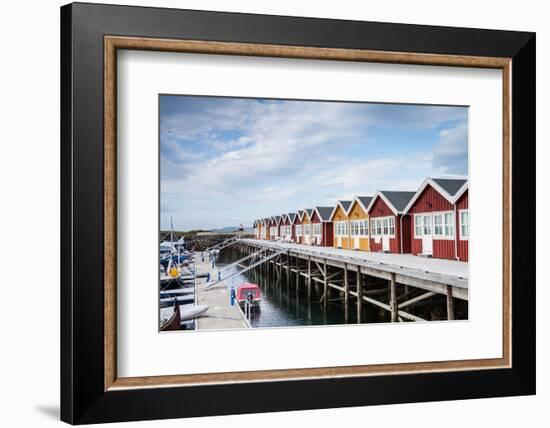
(187, 312)
(177, 292)
(183, 299)
(249, 292)
(170, 320)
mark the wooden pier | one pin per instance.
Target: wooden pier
(392, 282)
(220, 315)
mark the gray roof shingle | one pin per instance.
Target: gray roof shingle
(398, 199)
(450, 185)
(324, 212)
(345, 204)
(365, 200)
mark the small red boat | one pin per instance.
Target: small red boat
(250, 292)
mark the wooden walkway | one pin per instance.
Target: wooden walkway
(221, 315)
(403, 281)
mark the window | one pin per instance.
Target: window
(386, 226)
(444, 225)
(298, 230)
(379, 227)
(392, 226)
(438, 224)
(316, 230)
(464, 225)
(366, 223)
(418, 225)
(356, 227)
(427, 225)
(341, 228)
(449, 225)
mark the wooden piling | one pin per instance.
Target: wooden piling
(450, 304)
(346, 293)
(309, 277)
(325, 284)
(393, 298)
(359, 297)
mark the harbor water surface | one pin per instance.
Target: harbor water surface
(283, 304)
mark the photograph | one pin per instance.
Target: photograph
(297, 213)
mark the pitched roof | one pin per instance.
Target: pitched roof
(396, 200)
(277, 218)
(450, 185)
(291, 217)
(450, 188)
(365, 200)
(324, 212)
(345, 204)
(301, 214)
(309, 212)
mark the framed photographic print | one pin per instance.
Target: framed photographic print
(266, 213)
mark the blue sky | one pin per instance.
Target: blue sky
(227, 161)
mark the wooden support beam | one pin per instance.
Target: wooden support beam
(416, 299)
(334, 275)
(325, 284)
(450, 304)
(359, 297)
(336, 287)
(346, 293)
(393, 298)
(375, 292)
(297, 274)
(309, 278)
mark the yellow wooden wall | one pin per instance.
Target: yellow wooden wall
(340, 215)
(358, 213)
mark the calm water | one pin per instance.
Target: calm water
(284, 304)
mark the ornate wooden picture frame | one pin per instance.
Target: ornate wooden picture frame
(91, 390)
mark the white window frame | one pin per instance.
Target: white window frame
(316, 229)
(298, 229)
(418, 226)
(442, 226)
(387, 222)
(441, 234)
(359, 228)
(467, 211)
(451, 225)
(340, 228)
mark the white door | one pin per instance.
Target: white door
(427, 238)
(356, 242)
(385, 243)
(339, 241)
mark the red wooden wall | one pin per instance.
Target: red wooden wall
(327, 233)
(381, 209)
(462, 204)
(432, 201)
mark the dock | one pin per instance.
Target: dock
(220, 315)
(393, 282)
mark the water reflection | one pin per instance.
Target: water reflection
(286, 304)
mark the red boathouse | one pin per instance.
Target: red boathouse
(389, 225)
(322, 233)
(440, 223)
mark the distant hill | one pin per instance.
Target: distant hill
(230, 229)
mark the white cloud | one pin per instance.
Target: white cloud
(451, 151)
(286, 156)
